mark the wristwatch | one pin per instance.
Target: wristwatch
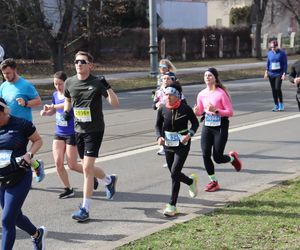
(30, 154)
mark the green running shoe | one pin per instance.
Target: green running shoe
(170, 211)
(193, 191)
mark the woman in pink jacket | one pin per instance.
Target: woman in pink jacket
(214, 104)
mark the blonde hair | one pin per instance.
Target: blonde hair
(170, 65)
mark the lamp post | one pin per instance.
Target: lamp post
(153, 49)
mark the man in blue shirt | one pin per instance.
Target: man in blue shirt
(276, 70)
(19, 94)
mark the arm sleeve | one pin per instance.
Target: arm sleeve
(159, 124)
(199, 105)
(284, 61)
(292, 74)
(227, 111)
(193, 119)
(28, 128)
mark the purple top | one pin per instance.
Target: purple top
(62, 127)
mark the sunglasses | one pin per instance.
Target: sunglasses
(81, 61)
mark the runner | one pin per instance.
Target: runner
(294, 77)
(276, 69)
(214, 104)
(85, 91)
(172, 131)
(165, 66)
(64, 142)
(20, 96)
(16, 176)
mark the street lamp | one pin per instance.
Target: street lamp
(153, 49)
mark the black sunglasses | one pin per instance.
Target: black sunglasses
(80, 61)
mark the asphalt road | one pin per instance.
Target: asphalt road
(268, 144)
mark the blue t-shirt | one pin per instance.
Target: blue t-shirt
(62, 127)
(20, 89)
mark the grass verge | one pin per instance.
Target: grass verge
(267, 220)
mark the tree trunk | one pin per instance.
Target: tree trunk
(258, 41)
(57, 56)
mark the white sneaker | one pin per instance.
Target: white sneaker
(161, 151)
(165, 165)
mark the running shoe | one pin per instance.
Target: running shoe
(275, 109)
(39, 242)
(81, 215)
(193, 191)
(165, 165)
(170, 211)
(96, 183)
(236, 162)
(67, 193)
(280, 107)
(111, 188)
(161, 150)
(212, 186)
(40, 172)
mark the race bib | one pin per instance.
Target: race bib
(60, 120)
(5, 156)
(212, 120)
(275, 65)
(83, 114)
(171, 139)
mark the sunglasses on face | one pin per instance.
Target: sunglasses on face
(81, 61)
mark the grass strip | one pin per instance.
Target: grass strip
(267, 220)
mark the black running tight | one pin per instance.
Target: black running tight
(175, 158)
(275, 83)
(214, 138)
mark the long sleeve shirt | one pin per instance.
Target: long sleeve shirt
(276, 63)
(217, 98)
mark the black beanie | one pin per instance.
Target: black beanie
(214, 72)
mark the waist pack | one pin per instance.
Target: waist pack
(13, 172)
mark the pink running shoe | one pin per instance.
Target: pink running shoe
(236, 162)
(212, 186)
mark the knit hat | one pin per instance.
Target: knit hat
(214, 72)
(172, 91)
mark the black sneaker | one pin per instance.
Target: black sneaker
(67, 193)
(96, 183)
(39, 242)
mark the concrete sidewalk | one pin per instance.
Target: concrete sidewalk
(182, 71)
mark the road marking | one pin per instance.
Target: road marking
(154, 147)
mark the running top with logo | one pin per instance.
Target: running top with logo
(62, 127)
(14, 137)
(276, 63)
(20, 89)
(175, 120)
(86, 96)
(219, 99)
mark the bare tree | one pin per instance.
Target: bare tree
(294, 7)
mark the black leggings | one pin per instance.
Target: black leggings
(275, 83)
(298, 97)
(175, 158)
(214, 138)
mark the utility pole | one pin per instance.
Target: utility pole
(153, 49)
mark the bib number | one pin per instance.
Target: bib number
(171, 139)
(83, 114)
(212, 120)
(60, 120)
(5, 156)
(275, 65)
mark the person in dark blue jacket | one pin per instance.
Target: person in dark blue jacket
(276, 70)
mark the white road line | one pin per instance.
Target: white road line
(154, 147)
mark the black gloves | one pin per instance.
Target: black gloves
(104, 82)
(66, 115)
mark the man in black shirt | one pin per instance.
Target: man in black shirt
(295, 78)
(84, 92)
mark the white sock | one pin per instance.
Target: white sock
(107, 180)
(86, 203)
